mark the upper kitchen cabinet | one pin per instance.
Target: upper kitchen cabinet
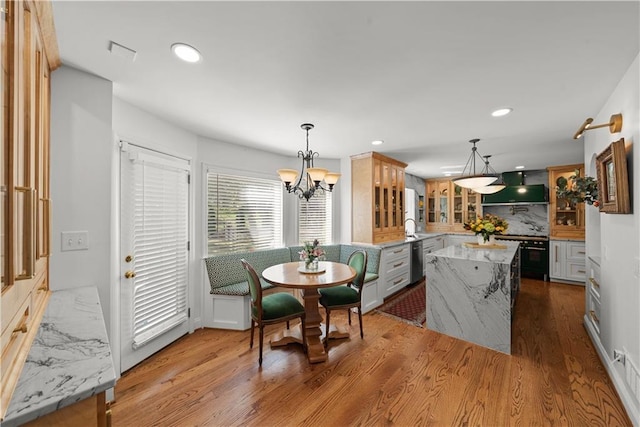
(566, 218)
(377, 198)
(450, 206)
(29, 53)
(438, 205)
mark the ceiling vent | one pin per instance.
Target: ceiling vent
(122, 51)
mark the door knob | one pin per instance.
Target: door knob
(130, 274)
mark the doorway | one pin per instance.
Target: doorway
(154, 265)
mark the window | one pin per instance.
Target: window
(243, 213)
(314, 218)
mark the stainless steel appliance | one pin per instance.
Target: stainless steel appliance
(416, 261)
(534, 255)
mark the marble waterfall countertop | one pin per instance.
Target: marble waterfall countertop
(500, 256)
(470, 293)
(69, 360)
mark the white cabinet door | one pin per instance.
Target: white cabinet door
(431, 245)
(556, 259)
(396, 269)
(567, 261)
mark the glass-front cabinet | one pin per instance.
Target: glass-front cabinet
(450, 206)
(377, 198)
(566, 219)
(438, 205)
(466, 203)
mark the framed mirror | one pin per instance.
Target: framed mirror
(613, 183)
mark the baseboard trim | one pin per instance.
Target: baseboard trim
(629, 401)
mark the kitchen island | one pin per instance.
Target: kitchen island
(471, 292)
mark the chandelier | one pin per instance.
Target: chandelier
(471, 179)
(494, 187)
(310, 180)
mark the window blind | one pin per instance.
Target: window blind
(159, 198)
(243, 213)
(314, 218)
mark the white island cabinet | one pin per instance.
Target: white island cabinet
(471, 293)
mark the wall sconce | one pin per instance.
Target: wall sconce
(615, 125)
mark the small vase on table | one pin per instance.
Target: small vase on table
(311, 264)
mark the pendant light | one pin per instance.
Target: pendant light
(494, 187)
(471, 179)
(309, 180)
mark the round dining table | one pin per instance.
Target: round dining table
(293, 275)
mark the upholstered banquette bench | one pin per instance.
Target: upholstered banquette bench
(229, 294)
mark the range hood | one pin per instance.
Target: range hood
(518, 194)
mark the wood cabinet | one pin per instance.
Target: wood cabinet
(29, 53)
(566, 219)
(89, 412)
(450, 206)
(377, 198)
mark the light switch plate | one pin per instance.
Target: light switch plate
(75, 240)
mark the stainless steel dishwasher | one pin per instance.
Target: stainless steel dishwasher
(416, 261)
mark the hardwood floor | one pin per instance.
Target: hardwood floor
(399, 374)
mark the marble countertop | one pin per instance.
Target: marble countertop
(496, 256)
(419, 236)
(69, 360)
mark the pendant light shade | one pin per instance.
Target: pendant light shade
(490, 189)
(494, 187)
(469, 178)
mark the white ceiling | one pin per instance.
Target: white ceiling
(422, 76)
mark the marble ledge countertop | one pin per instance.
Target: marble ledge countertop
(496, 256)
(69, 360)
(419, 236)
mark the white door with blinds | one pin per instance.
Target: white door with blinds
(154, 250)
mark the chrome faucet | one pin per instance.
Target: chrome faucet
(414, 223)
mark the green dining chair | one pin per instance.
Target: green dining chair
(346, 297)
(271, 309)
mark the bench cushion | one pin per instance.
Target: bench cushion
(239, 289)
(227, 271)
(227, 277)
(369, 277)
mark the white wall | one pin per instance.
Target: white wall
(616, 239)
(81, 149)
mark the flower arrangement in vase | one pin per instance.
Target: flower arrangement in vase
(486, 227)
(310, 254)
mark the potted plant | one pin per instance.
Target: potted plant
(578, 189)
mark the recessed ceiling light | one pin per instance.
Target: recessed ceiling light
(377, 142)
(452, 167)
(501, 112)
(186, 53)
(520, 167)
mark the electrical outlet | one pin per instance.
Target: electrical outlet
(75, 240)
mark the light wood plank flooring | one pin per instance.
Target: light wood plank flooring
(398, 375)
